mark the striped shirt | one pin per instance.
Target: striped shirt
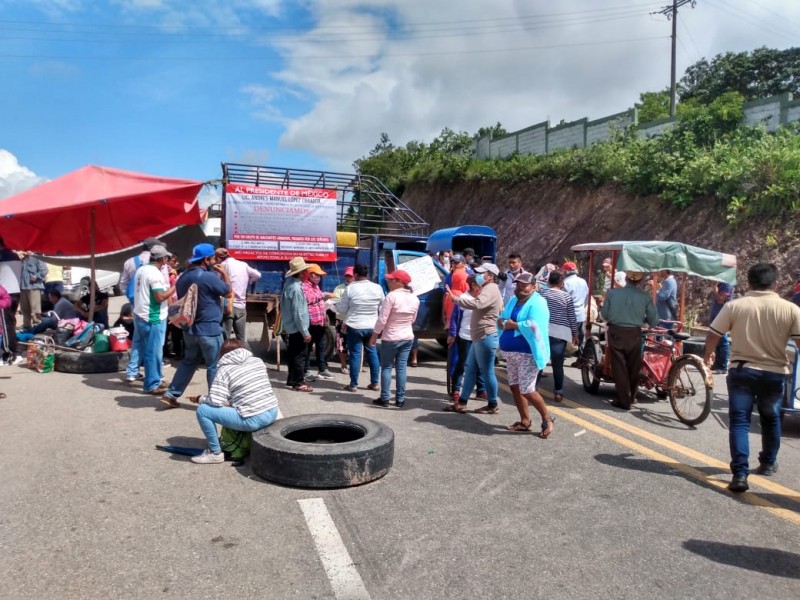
(563, 325)
(242, 382)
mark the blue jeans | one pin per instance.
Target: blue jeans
(722, 353)
(357, 339)
(462, 350)
(148, 348)
(43, 325)
(193, 347)
(747, 387)
(481, 360)
(558, 349)
(208, 416)
(394, 353)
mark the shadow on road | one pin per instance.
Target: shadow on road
(628, 460)
(763, 560)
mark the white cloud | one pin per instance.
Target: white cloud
(15, 178)
(412, 67)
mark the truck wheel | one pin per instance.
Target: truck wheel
(322, 451)
(89, 362)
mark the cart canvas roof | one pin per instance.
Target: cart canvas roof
(675, 256)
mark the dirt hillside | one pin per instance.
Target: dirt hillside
(542, 221)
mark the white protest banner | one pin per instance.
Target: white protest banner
(424, 276)
(263, 223)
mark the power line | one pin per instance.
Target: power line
(323, 28)
(330, 56)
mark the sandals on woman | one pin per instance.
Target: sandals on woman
(558, 397)
(302, 388)
(489, 409)
(520, 426)
(547, 427)
(456, 407)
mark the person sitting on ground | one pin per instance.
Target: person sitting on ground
(126, 319)
(63, 310)
(241, 398)
(100, 307)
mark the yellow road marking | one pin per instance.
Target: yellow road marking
(749, 497)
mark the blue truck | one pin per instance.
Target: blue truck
(374, 227)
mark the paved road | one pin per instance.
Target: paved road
(613, 504)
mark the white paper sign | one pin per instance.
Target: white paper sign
(424, 276)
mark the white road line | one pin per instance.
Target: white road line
(342, 573)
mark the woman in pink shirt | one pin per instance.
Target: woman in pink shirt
(395, 328)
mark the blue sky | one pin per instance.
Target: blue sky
(173, 87)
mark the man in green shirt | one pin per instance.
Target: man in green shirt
(626, 309)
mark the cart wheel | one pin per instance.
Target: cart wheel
(689, 395)
(592, 361)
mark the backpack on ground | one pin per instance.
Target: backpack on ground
(182, 312)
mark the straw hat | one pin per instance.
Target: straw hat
(296, 265)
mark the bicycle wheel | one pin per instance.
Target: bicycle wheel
(591, 362)
(689, 395)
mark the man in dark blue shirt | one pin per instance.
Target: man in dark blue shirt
(204, 337)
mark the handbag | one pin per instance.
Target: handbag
(41, 354)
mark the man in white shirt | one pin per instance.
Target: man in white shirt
(360, 302)
(151, 293)
(515, 269)
(130, 266)
(241, 275)
(579, 290)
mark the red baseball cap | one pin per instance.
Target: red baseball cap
(349, 271)
(399, 275)
(569, 266)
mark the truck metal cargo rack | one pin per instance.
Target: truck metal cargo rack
(364, 205)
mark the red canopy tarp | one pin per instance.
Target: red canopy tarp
(122, 207)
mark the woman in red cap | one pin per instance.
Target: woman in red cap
(395, 328)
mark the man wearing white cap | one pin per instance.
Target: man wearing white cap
(295, 323)
(151, 293)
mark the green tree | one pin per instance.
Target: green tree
(494, 132)
(757, 74)
(653, 106)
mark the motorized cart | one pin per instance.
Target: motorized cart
(683, 378)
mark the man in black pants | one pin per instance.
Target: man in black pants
(295, 323)
(626, 310)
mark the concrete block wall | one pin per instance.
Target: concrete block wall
(541, 138)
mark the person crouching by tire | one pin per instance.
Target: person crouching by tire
(395, 328)
(241, 398)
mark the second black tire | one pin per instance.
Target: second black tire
(287, 452)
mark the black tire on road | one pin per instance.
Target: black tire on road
(689, 395)
(89, 362)
(592, 363)
(297, 451)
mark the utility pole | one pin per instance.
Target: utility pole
(671, 12)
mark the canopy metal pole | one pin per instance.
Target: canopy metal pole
(91, 265)
(683, 296)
